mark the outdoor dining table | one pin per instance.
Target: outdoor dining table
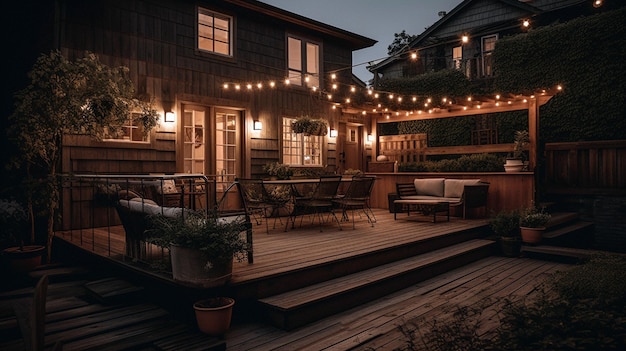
(301, 188)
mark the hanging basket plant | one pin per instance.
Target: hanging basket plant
(309, 126)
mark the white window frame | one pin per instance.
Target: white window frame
(303, 69)
(487, 54)
(300, 149)
(132, 131)
(213, 38)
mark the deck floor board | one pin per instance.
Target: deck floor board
(373, 325)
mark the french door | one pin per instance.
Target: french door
(210, 143)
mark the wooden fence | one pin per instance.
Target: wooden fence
(597, 167)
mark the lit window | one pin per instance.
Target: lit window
(132, 131)
(488, 44)
(457, 56)
(214, 32)
(300, 149)
(303, 61)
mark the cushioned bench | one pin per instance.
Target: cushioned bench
(459, 193)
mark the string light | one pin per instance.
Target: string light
(445, 104)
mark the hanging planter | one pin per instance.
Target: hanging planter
(309, 126)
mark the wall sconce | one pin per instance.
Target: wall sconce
(170, 116)
(257, 125)
(333, 132)
(370, 138)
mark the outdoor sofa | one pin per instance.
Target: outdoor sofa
(461, 194)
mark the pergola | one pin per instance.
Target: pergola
(484, 105)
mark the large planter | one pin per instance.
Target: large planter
(26, 259)
(532, 235)
(214, 315)
(189, 267)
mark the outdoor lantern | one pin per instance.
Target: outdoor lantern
(257, 125)
(333, 132)
(370, 138)
(170, 116)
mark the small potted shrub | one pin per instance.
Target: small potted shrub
(515, 162)
(505, 224)
(532, 224)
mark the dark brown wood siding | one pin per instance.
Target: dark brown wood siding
(156, 40)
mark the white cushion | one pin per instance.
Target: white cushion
(429, 186)
(150, 209)
(455, 187)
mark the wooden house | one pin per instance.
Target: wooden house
(465, 37)
(228, 78)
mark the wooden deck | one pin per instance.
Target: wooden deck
(290, 260)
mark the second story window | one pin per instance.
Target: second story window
(303, 62)
(457, 57)
(215, 32)
(488, 43)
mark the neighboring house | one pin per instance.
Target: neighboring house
(189, 57)
(481, 23)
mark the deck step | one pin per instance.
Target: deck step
(109, 290)
(299, 307)
(558, 252)
(560, 218)
(551, 234)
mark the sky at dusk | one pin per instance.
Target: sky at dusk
(375, 19)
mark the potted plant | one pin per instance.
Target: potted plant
(278, 170)
(202, 246)
(505, 224)
(65, 97)
(532, 224)
(20, 251)
(515, 161)
(214, 315)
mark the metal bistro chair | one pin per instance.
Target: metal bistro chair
(357, 198)
(253, 193)
(320, 202)
(265, 200)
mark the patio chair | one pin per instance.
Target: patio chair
(357, 198)
(264, 202)
(320, 202)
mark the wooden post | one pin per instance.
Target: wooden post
(533, 130)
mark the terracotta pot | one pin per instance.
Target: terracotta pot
(532, 235)
(188, 266)
(24, 260)
(214, 315)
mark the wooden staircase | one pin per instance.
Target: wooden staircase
(389, 271)
(295, 308)
(567, 237)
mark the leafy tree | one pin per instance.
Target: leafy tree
(400, 40)
(66, 97)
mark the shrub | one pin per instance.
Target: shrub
(583, 308)
(465, 163)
